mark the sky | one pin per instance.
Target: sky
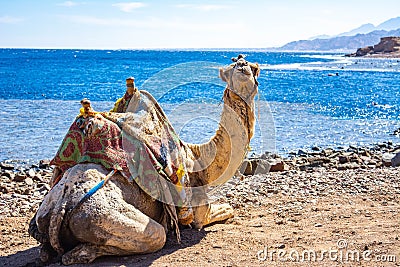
(117, 24)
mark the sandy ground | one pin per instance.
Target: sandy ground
(270, 228)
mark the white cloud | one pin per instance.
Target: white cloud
(10, 20)
(154, 23)
(129, 7)
(68, 4)
(91, 20)
(203, 7)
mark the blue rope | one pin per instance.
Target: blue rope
(94, 189)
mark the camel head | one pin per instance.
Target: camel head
(241, 78)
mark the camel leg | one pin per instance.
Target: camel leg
(210, 213)
(220, 212)
(86, 253)
(115, 229)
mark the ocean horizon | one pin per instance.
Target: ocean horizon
(306, 99)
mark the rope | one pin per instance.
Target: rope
(94, 190)
(90, 193)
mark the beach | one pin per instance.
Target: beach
(340, 201)
(321, 180)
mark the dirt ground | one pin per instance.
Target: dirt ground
(342, 230)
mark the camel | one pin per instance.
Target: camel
(121, 218)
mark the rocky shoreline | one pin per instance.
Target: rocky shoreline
(388, 47)
(315, 172)
(23, 186)
(385, 154)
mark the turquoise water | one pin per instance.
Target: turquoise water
(302, 101)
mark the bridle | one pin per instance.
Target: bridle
(239, 65)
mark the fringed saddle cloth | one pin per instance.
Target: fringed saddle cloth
(142, 144)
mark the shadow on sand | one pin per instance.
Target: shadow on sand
(30, 257)
(21, 258)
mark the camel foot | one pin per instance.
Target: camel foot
(212, 213)
(220, 212)
(83, 253)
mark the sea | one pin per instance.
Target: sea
(305, 100)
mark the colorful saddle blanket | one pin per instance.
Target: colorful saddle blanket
(140, 143)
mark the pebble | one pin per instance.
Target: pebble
(22, 188)
(6, 166)
(20, 177)
(305, 176)
(363, 174)
(29, 181)
(31, 173)
(381, 155)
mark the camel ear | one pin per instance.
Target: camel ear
(222, 75)
(255, 68)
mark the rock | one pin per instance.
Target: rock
(388, 46)
(29, 181)
(364, 51)
(44, 163)
(27, 191)
(387, 159)
(256, 166)
(6, 166)
(328, 151)
(382, 145)
(343, 159)
(396, 160)
(348, 166)
(277, 166)
(263, 167)
(318, 225)
(365, 153)
(9, 175)
(333, 155)
(229, 195)
(246, 167)
(19, 177)
(31, 173)
(3, 188)
(301, 152)
(38, 177)
(46, 187)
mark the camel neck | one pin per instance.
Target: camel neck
(221, 156)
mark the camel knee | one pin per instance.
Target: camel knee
(154, 239)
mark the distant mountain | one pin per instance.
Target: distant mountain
(340, 43)
(323, 36)
(365, 28)
(366, 34)
(389, 25)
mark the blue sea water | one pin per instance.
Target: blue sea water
(306, 99)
